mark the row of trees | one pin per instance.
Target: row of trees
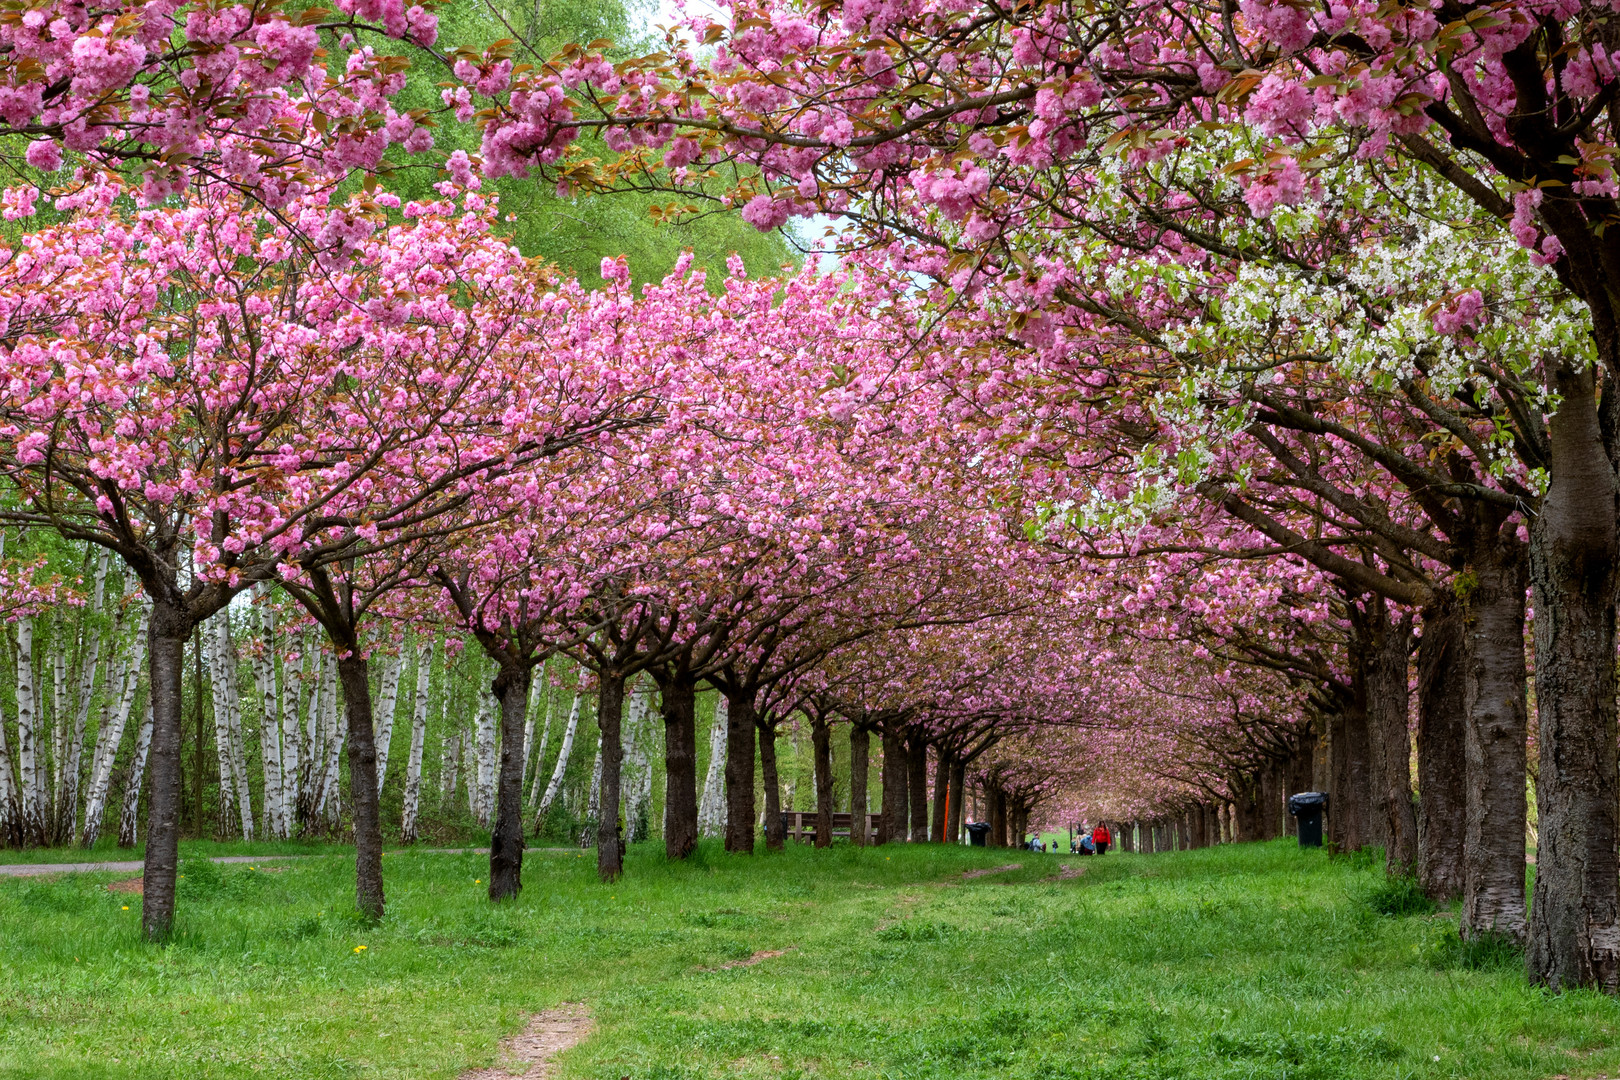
(1241, 352)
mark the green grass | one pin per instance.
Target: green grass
(107, 850)
(1256, 962)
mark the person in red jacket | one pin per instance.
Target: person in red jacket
(1102, 838)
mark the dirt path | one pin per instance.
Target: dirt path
(549, 1033)
(35, 869)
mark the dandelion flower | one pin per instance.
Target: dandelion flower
(359, 948)
(477, 881)
(126, 907)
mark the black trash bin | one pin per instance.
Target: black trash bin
(1308, 807)
(977, 832)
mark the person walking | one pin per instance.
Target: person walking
(1101, 838)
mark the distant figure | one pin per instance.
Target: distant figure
(1101, 838)
(1086, 845)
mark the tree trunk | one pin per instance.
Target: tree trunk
(481, 788)
(712, 808)
(942, 797)
(542, 687)
(265, 683)
(1575, 913)
(892, 818)
(679, 696)
(564, 752)
(368, 882)
(110, 736)
(1388, 705)
(511, 689)
(957, 797)
(1268, 802)
(413, 764)
(1441, 757)
(1496, 726)
(129, 817)
(821, 750)
(166, 643)
(998, 818)
(860, 757)
(775, 835)
(740, 803)
(28, 729)
(610, 719)
(917, 786)
(387, 702)
(1349, 797)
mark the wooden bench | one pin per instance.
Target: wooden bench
(800, 825)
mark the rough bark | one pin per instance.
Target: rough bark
(917, 786)
(957, 797)
(942, 797)
(610, 719)
(1574, 937)
(775, 835)
(1442, 761)
(511, 689)
(860, 757)
(892, 819)
(368, 882)
(998, 818)
(740, 802)
(1496, 725)
(679, 696)
(1349, 798)
(821, 753)
(166, 642)
(1268, 802)
(1388, 738)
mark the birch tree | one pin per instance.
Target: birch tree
(712, 810)
(413, 765)
(115, 717)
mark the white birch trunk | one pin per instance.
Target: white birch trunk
(291, 744)
(413, 764)
(114, 720)
(222, 740)
(481, 792)
(563, 753)
(544, 687)
(593, 805)
(385, 713)
(264, 682)
(58, 712)
(449, 764)
(332, 723)
(313, 737)
(528, 722)
(10, 806)
(230, 667)
(712, 807)
(635, 756)
(89, 679)
(129, 818)
(33, 795)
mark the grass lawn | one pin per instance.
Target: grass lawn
(1258, 962)
(107, 850)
